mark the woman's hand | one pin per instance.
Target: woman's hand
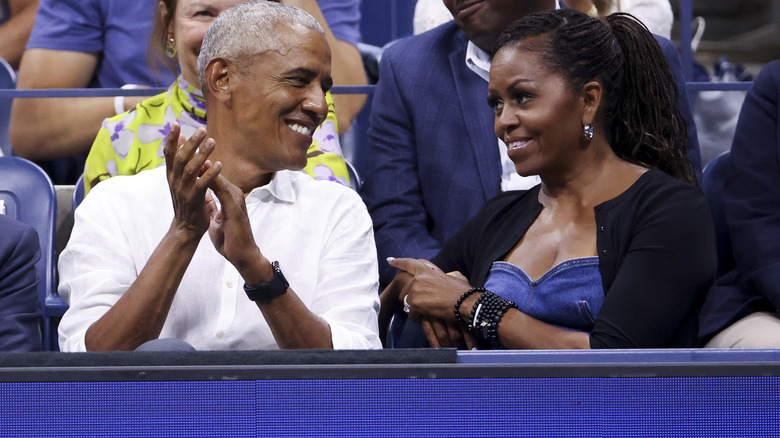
(447, 334)
(189, 174)
(430, 293)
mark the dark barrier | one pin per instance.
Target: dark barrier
(691, 393)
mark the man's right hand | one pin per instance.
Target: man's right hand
(189, 175)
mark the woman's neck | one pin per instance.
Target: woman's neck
(591, 182)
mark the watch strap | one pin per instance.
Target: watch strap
(269, 290)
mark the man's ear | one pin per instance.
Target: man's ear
(592, 93)
(218, 77)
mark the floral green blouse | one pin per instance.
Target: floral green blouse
(133, 141)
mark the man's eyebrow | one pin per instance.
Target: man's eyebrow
(308, 74)
(300, 71)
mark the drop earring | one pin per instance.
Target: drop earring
(587, 131)
(170, 48)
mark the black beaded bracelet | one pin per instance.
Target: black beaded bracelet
(486, 315)
(460, 301)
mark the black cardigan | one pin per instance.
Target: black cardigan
(656, 249)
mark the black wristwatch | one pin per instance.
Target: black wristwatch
(269, 290)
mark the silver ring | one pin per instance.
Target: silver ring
(407, 309)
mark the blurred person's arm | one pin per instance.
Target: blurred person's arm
(347, 66)
(15, 31)
(585, 6)
(47, 128)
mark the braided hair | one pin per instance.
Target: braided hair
(642, 117)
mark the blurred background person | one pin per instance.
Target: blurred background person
(16, 22)
(20, 317)
(742, 307)
(79, 44)
(655, 14)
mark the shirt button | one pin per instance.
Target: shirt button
(603, 229)
(605, 252)
(220, 334)
(230, 284)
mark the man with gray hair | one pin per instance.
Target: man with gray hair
(138, 267)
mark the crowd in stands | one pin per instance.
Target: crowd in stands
(532, 181)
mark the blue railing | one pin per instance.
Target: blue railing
(110, 92)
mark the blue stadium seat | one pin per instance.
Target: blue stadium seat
(29, 196)
(712, 184)
(78, 192)
(7, 81)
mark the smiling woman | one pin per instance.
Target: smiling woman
(615, 248)
(133, 141)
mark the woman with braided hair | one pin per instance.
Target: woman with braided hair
(615, 248)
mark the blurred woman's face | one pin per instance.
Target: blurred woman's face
(536, 113)
(189, 26)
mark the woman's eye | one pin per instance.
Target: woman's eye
(523, 98)
(496, 105)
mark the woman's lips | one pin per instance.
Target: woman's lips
(518, 143)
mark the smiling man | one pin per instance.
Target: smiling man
(433, 159)
(289, 261)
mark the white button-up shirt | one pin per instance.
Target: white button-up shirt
(320, 233)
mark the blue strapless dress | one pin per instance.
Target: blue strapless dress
(569, 295)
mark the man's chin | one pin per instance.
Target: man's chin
(296, 164)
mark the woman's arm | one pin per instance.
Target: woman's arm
(661, 281)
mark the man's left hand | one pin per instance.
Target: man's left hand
(231, 232)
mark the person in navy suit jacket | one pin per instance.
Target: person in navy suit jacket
(433, 158)
(741, 310)
(20, 318)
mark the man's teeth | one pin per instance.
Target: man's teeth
(300, 129)
(516, 144)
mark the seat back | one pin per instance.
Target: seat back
(28, 195)
(713, 184)
(7, 81)
(78, 193)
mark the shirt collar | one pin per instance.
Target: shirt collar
(478, 60)
(280, 187)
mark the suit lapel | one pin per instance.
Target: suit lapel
(471, 93)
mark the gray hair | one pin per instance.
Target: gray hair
(247, 29)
